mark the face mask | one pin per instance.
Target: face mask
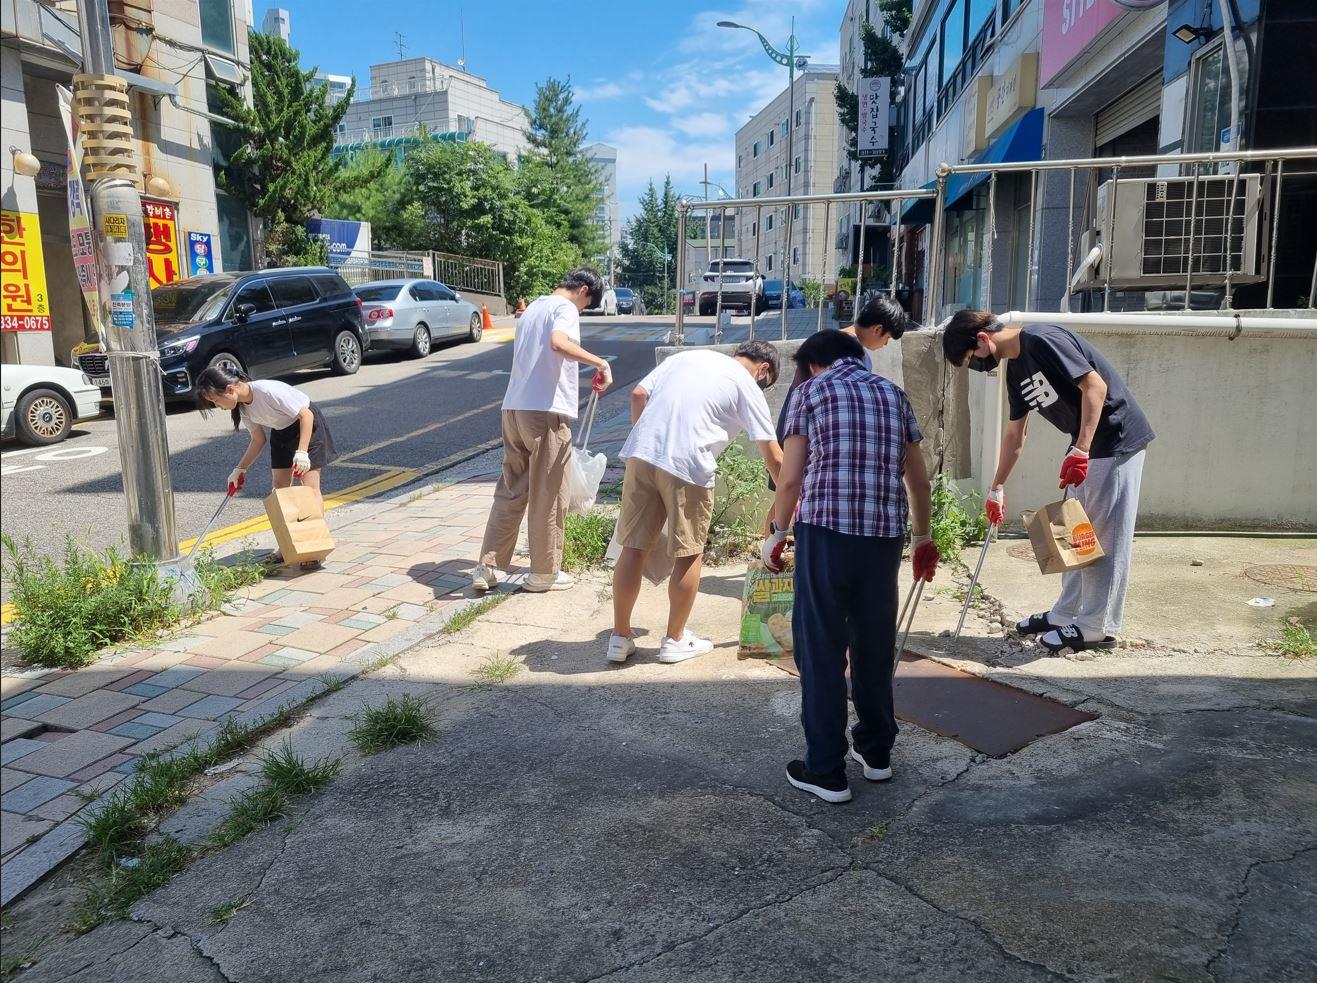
(983, 364)
(763, 382)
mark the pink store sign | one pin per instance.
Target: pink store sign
(1070, 26)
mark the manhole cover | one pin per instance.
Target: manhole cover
(1294, 576)
(1022, 552)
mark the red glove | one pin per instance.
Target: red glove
(1074, 469)
(924, 557)
(770, 550)
(236, 479)
(603, 378)
(995, 506)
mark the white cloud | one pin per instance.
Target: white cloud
(599, 91)
(646, 153)
(703, 125)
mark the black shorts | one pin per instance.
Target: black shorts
(283, 443)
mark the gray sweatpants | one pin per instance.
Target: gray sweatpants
(1094, 598)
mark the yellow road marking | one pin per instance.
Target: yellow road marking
(392, 478)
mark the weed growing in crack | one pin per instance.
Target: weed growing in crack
(874, 833)
(288, 772)
(115, 826)
(467, 615)
(224, 913)
(161, 783)
(124, 882)
(496, 669)
(405, 720)
(1296, 641)
(12, 963)
(253, 809)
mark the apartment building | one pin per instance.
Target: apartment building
(608, 214)
(762, 169)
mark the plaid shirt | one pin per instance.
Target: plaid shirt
(857, 425)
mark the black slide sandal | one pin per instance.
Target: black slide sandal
(1072, 638)
(1036, 624)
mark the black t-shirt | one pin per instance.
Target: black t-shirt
(1043, 378)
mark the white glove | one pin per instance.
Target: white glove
(236, 477)
(603, 378)
(770, 550)
(301, 463)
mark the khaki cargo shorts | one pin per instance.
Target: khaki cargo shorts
(651, 497)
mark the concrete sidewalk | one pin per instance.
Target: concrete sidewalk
(587, 822)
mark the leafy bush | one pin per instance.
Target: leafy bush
(957, 519)
(740, 505)
(65, 613)
(68, 611)
(585, 540)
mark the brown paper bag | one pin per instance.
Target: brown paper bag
(1062, 537)
(298, 521)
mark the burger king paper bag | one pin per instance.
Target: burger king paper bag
(1062, 537)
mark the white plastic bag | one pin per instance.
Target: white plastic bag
(659, 563)
(586, 471)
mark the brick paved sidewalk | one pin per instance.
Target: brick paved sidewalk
(69, 736)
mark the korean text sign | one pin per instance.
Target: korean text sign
(1070, 26)
(875, 115)
(161, 221)
(24, 302)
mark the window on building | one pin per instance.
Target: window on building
(234, 233)
(754, 191)
(768, 266)
(217, 25)
(738, 162)
(1209, 111)
(754, 229)
(797, 164)
(729, 229)
(411, 84)
(378, 123)
(758, 148)
(798, 117)
(795, 211)
(784, 127)
(772, 134)
(952, 40)
(770, 180)
(768, 223)
(795, 255)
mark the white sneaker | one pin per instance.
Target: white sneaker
(538, 583)
(621, 648)
(687, 647)
(485, 578)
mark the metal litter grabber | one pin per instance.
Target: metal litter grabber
(912, 605)
(974, 581)
(209, 525)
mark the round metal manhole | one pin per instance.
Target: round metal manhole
(1022, 552)
(1292, 576)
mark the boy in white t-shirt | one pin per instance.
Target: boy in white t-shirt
(683, 415)
(540, 402)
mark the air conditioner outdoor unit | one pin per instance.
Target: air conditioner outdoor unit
(1144, 228)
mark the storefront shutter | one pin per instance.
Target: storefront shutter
(1138, 105)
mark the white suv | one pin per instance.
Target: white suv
(742, 286)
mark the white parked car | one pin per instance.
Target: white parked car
(742, 286)
(607, 304)
(41, 403)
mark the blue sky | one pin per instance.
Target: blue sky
(657, 80)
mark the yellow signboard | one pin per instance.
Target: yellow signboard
(24, 302)
(115, 226)
(161, 221)
(1013, 94)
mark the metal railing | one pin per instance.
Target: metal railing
(469, 273)
(458, 272)
(916, 270)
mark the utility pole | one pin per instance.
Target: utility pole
(101, 103)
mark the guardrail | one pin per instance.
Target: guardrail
(459, 272)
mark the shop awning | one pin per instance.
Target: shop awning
(1022, 141)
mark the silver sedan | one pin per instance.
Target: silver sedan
(411, 315)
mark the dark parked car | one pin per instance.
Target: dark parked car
(626, 300)
(773, 295)
(264, 324)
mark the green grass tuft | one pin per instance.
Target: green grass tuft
(585, 540)
(115, 827)
(395, 722)
(464, 617)
(123, 883)
(249, 811)
(293, 776)
(224, 913)
(497, 669)
(1296, 641)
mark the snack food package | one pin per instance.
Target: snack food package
(766, 613)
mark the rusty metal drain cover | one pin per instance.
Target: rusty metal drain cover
(1023, 552)
(990, 717)
(1293, 576)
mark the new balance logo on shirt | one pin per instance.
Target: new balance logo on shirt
(1038, 392)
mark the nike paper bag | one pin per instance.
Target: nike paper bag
(298, 521)
(1062, 537)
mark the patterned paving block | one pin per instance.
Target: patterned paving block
(176, 676)
(11, 727)
(60, 808)
(389, 580)
(84, 682)
(158, 719)
(146, 690)
(231, 645)
(210, 707)
(18, 748)
(411, 612)
(9, 778)
(276, 629)
(206, 662)
(320, 638)
(129, 766)
(279, 661)
(16, 830)
(138, 732)
(260, 689)
(31, 794)
(119, 718)
(177, 734)
(98, 768)
(171, 702)
(90, 709)
(298, 618)
(182, 644)
(363, 621)
(73, 753)
(32, 705)
(132, 679)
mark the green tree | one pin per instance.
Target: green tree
(397, 219)
(881, 58)
(556, 177)
(650, 233)
(283, 168)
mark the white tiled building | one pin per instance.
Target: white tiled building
(609, 212)
(761, 172)
(404, 96)
(278, 24)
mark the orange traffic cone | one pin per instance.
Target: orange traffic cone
(485, 321)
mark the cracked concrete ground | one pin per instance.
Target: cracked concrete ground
(585, 822)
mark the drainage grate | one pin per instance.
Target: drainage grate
(1024, 552)
(1294, 576)
(990, 717)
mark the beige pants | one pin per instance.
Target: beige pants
(537, 449)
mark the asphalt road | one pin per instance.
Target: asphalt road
(394, 422)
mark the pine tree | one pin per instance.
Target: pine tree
(881, 58)
(283, 169)
(649, 234)
(556, 177)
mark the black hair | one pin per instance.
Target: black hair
(961, 335)
(823, 348)
(885, 313)
(759, 351)
(215, 380)
(584, 276)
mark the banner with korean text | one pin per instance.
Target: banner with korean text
(162, 242)
(81, 239)
(24, 302)
(875, 116)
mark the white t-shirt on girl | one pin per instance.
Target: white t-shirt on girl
(274, 404)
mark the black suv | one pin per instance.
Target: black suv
(264, 324)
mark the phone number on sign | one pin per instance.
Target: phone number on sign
(25, 322)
